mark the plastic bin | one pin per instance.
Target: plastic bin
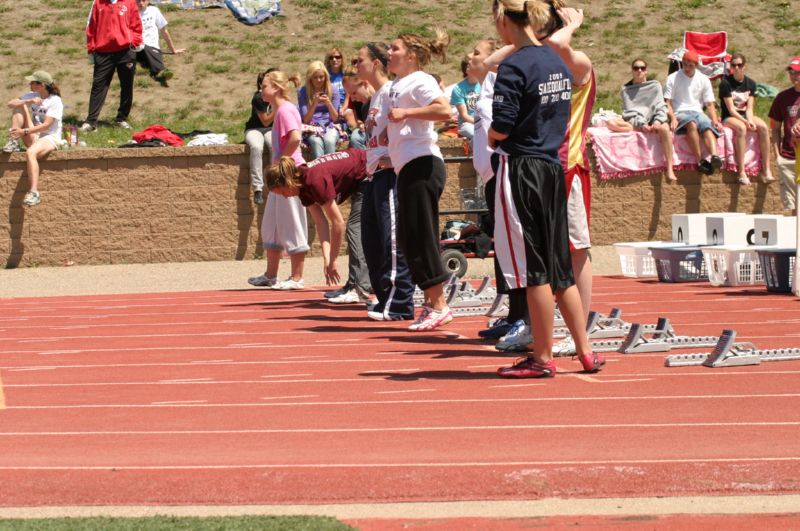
(732, 265)
(780, 231)
(778, 267)
(679, 264)
(691, 228)
(635, 258)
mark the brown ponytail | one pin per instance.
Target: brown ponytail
(283, 174)
(424, 48)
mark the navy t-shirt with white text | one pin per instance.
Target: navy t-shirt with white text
(532, 103)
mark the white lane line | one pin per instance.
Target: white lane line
(287, 397)
(186, 380)
(25, 369)
(595, 398)
(515, 385)
(337, 340)
(511, 427)
(285, 375)
(391, 371)
(42, 340)
(211, 361)
(440, 464)
(179, 402)
(304, 357)
(401, 391)
(168, 348)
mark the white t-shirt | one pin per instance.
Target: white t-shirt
(376, 126)
(152, 22)
(51, 106)
(412, 138)
(688, 93)
(481, 152)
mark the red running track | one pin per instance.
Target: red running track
(263, 397)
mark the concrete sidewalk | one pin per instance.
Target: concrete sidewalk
(196, 276)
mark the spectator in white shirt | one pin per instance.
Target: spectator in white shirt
(154, 25)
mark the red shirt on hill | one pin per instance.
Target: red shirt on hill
(113, 26)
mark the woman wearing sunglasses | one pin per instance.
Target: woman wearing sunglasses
(737, 93)
(644, 109)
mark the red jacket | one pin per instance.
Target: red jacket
(113, 27)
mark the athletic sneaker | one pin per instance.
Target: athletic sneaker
(716, 162)
(592, 362)
(258, 197)
(88, 128)
(262, 281)
(517, 339)
(565, 347)
(32, 199)
(528, 368)
(380, 316)
(336, 292)
(704, 166)
(498, 329)
(430, 319)
(348, 297)
(123, 124)
(11, 146)
(288, 284)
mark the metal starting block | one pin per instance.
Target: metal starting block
(727, 353)
(600, 326)
(662, 340)
(635, 336)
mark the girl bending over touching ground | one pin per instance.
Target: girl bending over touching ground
(322, 185)
(416, 101)
(36, 120)
(530, 114)
(284, 226)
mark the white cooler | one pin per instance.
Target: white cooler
(775, 230)
(691, 228)
(729, 230)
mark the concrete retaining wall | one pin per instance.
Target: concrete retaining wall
(146, 205)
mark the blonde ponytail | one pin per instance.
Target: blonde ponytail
(424, 48)
(283, 174)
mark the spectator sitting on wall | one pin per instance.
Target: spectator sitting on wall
(686, 92)
(737, 92)
(258, 136)
(318, 104)
(644, 109)
(154, 25)
(38, 127)
(359, 94)
(464, 96)
(785, 120)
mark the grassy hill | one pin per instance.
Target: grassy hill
(214, 80)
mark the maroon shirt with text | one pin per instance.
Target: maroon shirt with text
(332, 176)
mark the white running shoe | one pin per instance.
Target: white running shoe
(262, 281)
(32, 199)
(565, 347)
(348, 297)
(336, 292)
(431, 319)
(11, 146)
(517, 339)
(288, 284)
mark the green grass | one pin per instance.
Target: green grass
(166, 523)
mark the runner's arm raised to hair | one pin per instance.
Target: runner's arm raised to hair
(578, 62)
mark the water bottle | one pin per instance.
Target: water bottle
(73, 135)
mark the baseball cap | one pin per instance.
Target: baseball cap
(40, 76)
(691, 55)
(794, 64)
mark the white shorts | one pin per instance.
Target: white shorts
(579, 200)
(786, 171)
(57, 143)
(284, 226)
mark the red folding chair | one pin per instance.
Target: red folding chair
(712, 48)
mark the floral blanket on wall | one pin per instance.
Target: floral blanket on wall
(620, 155)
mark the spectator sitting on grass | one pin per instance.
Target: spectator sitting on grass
(737, 92)
(644, 109)
(154, 25)
(686, 92)
(334, 63)
(38, 127)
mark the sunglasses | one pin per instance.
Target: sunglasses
(336, 56)
(737, 65)
(639, 68)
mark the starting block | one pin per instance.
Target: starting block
(662, 340)
(727, 353)
(661, 329)
(600, 326)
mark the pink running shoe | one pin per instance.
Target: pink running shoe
(430, 319)
(528, 368)
(592, 362)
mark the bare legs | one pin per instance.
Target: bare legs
(540, 303)
(274, 260)
(582, 269)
